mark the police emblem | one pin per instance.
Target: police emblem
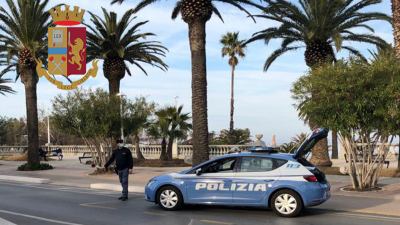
(67, 49)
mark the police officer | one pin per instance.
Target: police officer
(124, 163)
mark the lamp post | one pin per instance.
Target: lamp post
(121, 95)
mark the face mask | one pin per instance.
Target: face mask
(120, 145)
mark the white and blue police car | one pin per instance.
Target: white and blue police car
(261, 177)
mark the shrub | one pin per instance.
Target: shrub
(33, 167)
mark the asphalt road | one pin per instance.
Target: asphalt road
(24, 204)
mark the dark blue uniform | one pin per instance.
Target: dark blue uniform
(123, 162)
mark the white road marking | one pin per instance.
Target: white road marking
(6, 222)
(37, 218)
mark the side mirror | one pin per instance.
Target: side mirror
(198, 172)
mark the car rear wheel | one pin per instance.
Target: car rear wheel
(286, 203)
(169, 198)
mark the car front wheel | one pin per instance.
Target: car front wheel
(169, 198)
(286, 203)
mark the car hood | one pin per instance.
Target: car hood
(310, 142)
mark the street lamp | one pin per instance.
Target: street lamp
(121, 95)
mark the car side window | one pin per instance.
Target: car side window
(220, 166)
(260, 164)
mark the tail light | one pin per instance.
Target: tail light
(310, 178)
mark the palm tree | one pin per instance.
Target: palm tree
(179, 127)
(196, 13)
(159, 130)
(396, 34)
(118, 42)
(318, 26)
(4, 88)
(232, 47)
(171, 124)
(23, 41)
(396, 27)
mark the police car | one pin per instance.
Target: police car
(261, 177)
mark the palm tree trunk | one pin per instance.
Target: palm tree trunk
(318, 52)
(197, 39)
(29, 79)
(335, 152)
(113, 85)
(114, 79)
(231, 127)
(320, 154)
(169, 148)
(139, 154)
(396, 25)
(163, 155)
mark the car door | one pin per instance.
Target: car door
(254, 178)
(213, 184)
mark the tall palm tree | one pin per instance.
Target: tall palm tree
(196, 13)
(22, 41)
(396, 26)
(232, 47)
(118, 42)
(319, 26)
(4, 88)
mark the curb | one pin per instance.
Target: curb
(116, 187)
(25, 179)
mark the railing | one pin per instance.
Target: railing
(149, 151)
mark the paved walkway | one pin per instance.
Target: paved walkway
(70, 172)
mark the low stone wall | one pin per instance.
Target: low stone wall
(148, 151)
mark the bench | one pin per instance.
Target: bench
(359, 159)
(85, 155)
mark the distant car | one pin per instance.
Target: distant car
(261, 177)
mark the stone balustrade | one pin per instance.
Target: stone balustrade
(149, 151)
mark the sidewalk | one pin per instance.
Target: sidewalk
(70, 172)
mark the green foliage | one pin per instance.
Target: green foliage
(112, 39)
(237, 137)
(136, 115)
(330, 22)
(88, 114)
(12, 131)
(5, 88)
(294, 143)
(38, 166)
(23, 27)
(239, 4)
(232, 47)
(353, 95)
(171, 123)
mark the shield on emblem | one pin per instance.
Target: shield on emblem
(67, 51)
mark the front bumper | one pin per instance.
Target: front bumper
(150, 191)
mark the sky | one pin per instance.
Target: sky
(263, 100)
